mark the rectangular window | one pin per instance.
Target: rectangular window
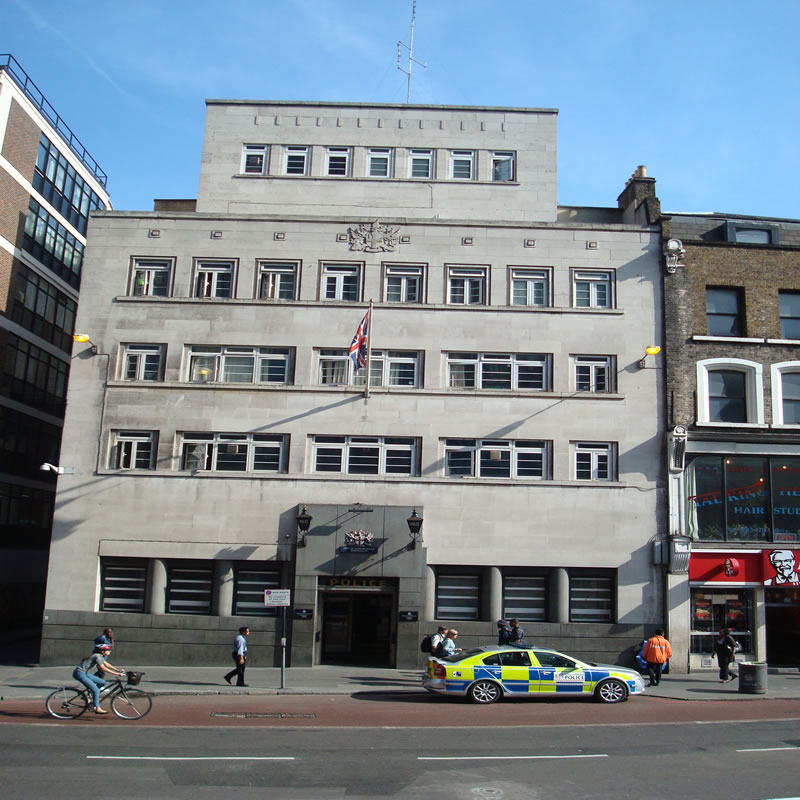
(462, 165)
(134, 449)
(727, 395)
(458, 596)
(724, 315)
(518, 371)
(249, 584)
(497, 458)
(420, 164)
(789, 303)
(214, 279)
(592, 289)
(365, 455)
(591, 598)
(751, 232)
(234, 452)
(277, 280)
(712, 609)
(594, 461)
(391, 368)
(337, 161)
(403, 284)
(297, 160)
(594, 374)
(218, 364)
(255, 158)
(190, 588)
(525, 597)
(467, 285)
(503, 166)
(379, 162)
(123, 585)
(341, 282)
(530, 287)
(151, 277)
(790, 397)
(143, 362)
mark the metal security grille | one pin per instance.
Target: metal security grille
(590, 599)
(189, 589)
(525, 597)
(123, 586)
(458, 597)
(248, 591)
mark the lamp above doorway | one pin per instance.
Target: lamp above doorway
(414, 523)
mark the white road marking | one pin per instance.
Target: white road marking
(766, 749)
(194, 758)
(503, 758)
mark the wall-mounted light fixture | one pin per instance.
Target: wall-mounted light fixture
(84, 338)
(674, 252)
(48, 467)
(414, 523)
(653, 350)
(303, 524)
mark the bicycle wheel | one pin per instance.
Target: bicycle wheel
(67, 703)
(131, 704)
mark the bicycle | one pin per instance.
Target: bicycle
(69, 702)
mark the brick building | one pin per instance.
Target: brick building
(49, 184)
(732, 341)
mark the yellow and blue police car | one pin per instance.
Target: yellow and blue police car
(484, 674)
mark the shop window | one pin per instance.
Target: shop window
(525, 597)
(591, 598)
(190, 588)
(249, 585)
(123, 585)
(730, 391)
(713, 609)
(458, 595)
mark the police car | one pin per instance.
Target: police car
(484, 674)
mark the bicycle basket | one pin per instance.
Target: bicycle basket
(134, 678)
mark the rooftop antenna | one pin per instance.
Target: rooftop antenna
(410, 48)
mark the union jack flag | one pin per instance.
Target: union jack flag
(358, 347)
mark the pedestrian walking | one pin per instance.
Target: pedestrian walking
(437, 639)
(725, 649)
(656, 653)
(239, 656)
(517, 632)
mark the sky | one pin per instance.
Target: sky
(704, 93)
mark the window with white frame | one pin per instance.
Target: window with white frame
(520, 371)
(231, 364)
(504, 166)
(380, 162)
(458, 594)
(403, 283)
(593, 288)
(296, 160)
(337, 161)
(594, 373)
(467, 286)
(151, 277)
(789, 305)
(133, 450)
(341, 282)
(497, 458)
(190, 587)
(277, 280)
(255, 158)
(387, 368)
(595, 461)
(214, 278)
(730, 391)
(462, 165)
(420, 163)
(143, 362)
(530, 287)
(365, 455)
(591, 597)
(233, 452)
(785, 379)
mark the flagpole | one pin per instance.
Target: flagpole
(369, 352)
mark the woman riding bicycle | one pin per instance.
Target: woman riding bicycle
(93, 683)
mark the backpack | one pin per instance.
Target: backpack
(426, 644)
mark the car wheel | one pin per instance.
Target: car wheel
(611, 691)
(484, 692)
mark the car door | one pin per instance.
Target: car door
(559, 674)
(515, 671)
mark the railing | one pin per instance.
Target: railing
(10, 65)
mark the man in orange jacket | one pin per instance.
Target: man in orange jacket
(656, 653)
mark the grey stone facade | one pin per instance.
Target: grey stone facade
(510, 477)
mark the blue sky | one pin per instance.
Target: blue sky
(704, 93)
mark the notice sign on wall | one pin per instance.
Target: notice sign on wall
(275, 598)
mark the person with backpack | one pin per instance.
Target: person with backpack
(432, 643)
(725, 649)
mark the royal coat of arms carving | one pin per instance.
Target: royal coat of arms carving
(373, 237)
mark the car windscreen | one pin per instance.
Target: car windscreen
(456, 657)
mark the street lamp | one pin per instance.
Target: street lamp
(414, 523)
(83, 338)
(303, 524)
(653, 350)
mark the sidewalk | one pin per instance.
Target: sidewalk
(19, 682)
